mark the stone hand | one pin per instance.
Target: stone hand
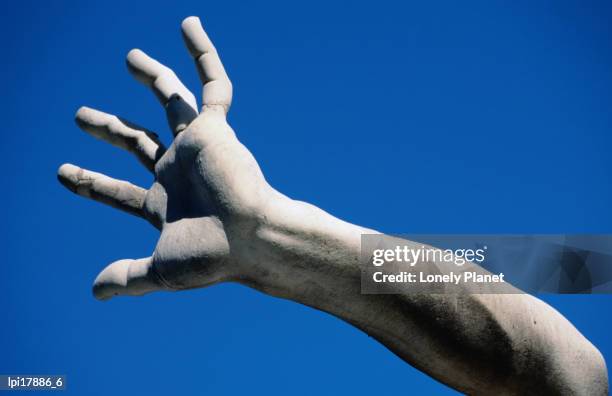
(208, 191)
(221, 221)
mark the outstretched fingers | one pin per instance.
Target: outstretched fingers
(127, 278)
(116, 193)
(180, 104)
(217, 93)
(141, 142)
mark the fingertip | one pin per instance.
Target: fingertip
(126, 278)
(144, 68)
(134, 54)
(134, 57)
(66, 174)
(195, 37)
(65, 170)
(112, 278)
(81, 112)
(84, 116)
(190, 21)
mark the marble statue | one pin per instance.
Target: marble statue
(220, 221)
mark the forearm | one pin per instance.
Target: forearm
(476, 343)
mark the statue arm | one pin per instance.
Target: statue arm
(476, 343)
(219, 220)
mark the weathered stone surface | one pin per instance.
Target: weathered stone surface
(221, 221)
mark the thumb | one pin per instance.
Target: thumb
(127, 277)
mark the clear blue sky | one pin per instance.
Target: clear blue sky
(440, 117)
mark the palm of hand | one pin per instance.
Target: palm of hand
(207, 189)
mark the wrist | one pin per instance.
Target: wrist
(292, 242)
